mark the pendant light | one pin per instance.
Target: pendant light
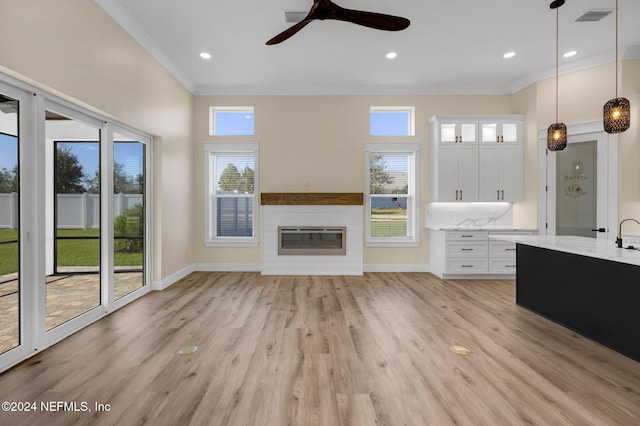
(617, 111)
(557, 132)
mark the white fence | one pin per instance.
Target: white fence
(75, 211)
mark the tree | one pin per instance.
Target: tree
(247, 181)
(122, 183)
(378, 176)
(9, 180)
(229, 178)
(69, 172)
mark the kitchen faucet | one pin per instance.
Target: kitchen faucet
(619, 239)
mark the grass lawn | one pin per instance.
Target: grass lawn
(388, 223)
(8, 252)
(70, 252)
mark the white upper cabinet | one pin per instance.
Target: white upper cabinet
(497, 131)
(476, 158)
(458, 132)
(455, 174)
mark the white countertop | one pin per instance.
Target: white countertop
(590, 247)
(481, 228)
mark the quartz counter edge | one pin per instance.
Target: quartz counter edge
(583, 246)
(481, 228)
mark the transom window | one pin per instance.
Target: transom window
(391, 121)
(231, 121)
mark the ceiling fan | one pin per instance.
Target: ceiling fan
(326, 9)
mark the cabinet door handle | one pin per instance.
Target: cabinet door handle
(466, 236)
(466, 249)
(510, 249)
(502, 194)
(456, 195)
(461, 194)
(501, 139)
(467, 266)
(498, 191)
(497, 139)
(509, 266)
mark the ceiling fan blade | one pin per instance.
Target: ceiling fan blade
(289, 31)
(375, 20)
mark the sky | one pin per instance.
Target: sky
(127, 154)
(228, 123)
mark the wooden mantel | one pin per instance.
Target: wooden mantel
(312, 198)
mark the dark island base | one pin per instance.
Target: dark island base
(597, 298)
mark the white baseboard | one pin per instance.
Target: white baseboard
(177, 276)
(393, 267)
(256, 267)
(227, 267)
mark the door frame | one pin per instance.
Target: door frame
(607, 182)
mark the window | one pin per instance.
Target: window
(391, 121)
(231, 188)
(391, 194)
(231, 121)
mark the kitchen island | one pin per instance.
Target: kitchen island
(585, 284)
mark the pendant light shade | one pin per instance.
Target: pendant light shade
(557, 137)
(557, 132)
(616, 115)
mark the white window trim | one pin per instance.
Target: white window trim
(212, 118)
(412, 119)
(412, 221)
(210, 216)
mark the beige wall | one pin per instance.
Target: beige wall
(71, 47)
(308, 143)
(629, 148)
(316, 144)
(581, 98)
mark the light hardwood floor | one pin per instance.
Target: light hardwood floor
(303, 350)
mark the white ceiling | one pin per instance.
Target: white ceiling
(451, 46)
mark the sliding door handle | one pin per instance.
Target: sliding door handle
(599, 230)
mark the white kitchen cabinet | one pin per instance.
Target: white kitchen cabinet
(500, 176)
(455, 173)
(476, 158)
(471, 254)
(501, 131)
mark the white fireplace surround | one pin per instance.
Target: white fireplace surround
(274, 216)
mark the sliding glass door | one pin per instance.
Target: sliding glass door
(73, 258)
(129, 223)
(74, 220)
(10, 282)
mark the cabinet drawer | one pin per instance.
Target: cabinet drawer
(466, 266)
(466, 249)
(467, 236)
(502, 249)
(502, 266)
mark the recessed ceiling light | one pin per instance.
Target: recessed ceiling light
(205, 55)
(509, 55)
(391, 55)
(570, 54)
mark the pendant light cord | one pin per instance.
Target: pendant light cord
(616, 49)
(557, 50)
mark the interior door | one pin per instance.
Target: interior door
(578, 188)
